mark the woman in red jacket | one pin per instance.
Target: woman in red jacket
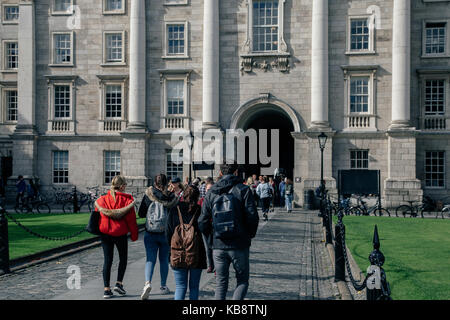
(117, 218)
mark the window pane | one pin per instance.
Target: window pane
(174, 165)
(175, 38)
(434, 169)
(112, 165)
(113, 5)
(60, 167)
(175, 97)
(11, 13)
(62, 101)
(12, 55)
(62, 5)
(359, 34)
(11, 105)
(434, 97)
(359, 159)
(265, 25)
(359, 95)
(435, 38)
(63, 50)
(114, 47)
(113, 106)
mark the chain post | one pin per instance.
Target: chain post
(4, 244)
(75, 200)
(377, 285)
(339, 272)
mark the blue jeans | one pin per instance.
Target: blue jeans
(288, 200)
(154, 243)
(241, 265)
(182, 277)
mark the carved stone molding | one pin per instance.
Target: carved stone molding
(264, 63)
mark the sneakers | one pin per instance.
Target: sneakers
(265, 216)
(146, 292)
(164, 290)
(119, 289)
(107, 294)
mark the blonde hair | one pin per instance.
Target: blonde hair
(117, 183)
(249, 181)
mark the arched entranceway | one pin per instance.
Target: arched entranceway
(269, 113)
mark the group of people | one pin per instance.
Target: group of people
(190, 228)
(269, 192)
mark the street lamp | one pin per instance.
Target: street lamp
(322, 142)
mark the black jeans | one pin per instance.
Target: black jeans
(108, 243)
(265, 204)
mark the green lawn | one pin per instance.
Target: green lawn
(417, 253)
(21, 243)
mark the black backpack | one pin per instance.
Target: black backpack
(227, 218)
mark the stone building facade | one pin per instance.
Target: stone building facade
(93, 88)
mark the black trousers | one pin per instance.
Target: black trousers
(265, 204)
(108, 243)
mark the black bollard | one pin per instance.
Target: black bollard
(339, 268)
(329, 237)
(75, 200)
(4, 245)
(377, 285)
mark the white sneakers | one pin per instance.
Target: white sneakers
(148, 287)
(146, 291)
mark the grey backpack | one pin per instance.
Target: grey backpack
(156, 218)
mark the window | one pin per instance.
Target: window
(11, 105)
(11, 49)
(175, 97)
(359, 159)
(434, 169)
(265, 25)
(62, 6)
(359, 94)
(435, 36)
(113, 6)
(359, 34)
(112, 165)
(114, 48)
(62, 101)
(434, 97)
(174, 165)
(113, 101)
(10, 14)
(62, 44)
(176, 39)
(60, 167)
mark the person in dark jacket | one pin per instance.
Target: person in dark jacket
(235, 250)
(157, 202)
(189, 210)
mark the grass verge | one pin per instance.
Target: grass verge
(55, 225)
(417, 253)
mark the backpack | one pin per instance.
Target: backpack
(156, 218)
(184, 245)
(226, 216)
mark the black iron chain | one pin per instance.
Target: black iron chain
(356, 285)
(41, 236)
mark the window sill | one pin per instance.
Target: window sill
(56, 65)
(360, 53)
(9, 71)
(175, 57)
(114, 13)
(266, 54)
(10, 22)
(61, 13)
(168, 4)
(435, 56)
(113, 64)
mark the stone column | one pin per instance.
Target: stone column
(137, 86)
(134, 151)
(25, 135)
(401, 184)
(319, 64)
(401, 63)
(211, 63)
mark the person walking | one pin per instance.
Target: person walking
(177, 187)
(155, 206)
(207, 241)
(230, 245)
(265, 193)
(21, 187)
(289, 194)
(117, 219)
(187, 272)
(274, 193)
(282, 189)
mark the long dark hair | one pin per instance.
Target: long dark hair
(161, 182)
(190, 196)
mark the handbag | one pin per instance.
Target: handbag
(93, 224)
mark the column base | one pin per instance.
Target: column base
(320, 126)
(210, 125)
(136, 127)
(400, 125)
(400, 191)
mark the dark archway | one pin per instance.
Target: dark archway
(272, 119)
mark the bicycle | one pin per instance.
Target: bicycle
(445, 210)
(83, 200)
(411, 209)
(28, 205)
(362, 209)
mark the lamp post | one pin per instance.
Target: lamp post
(191, 145)
(322, 142)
